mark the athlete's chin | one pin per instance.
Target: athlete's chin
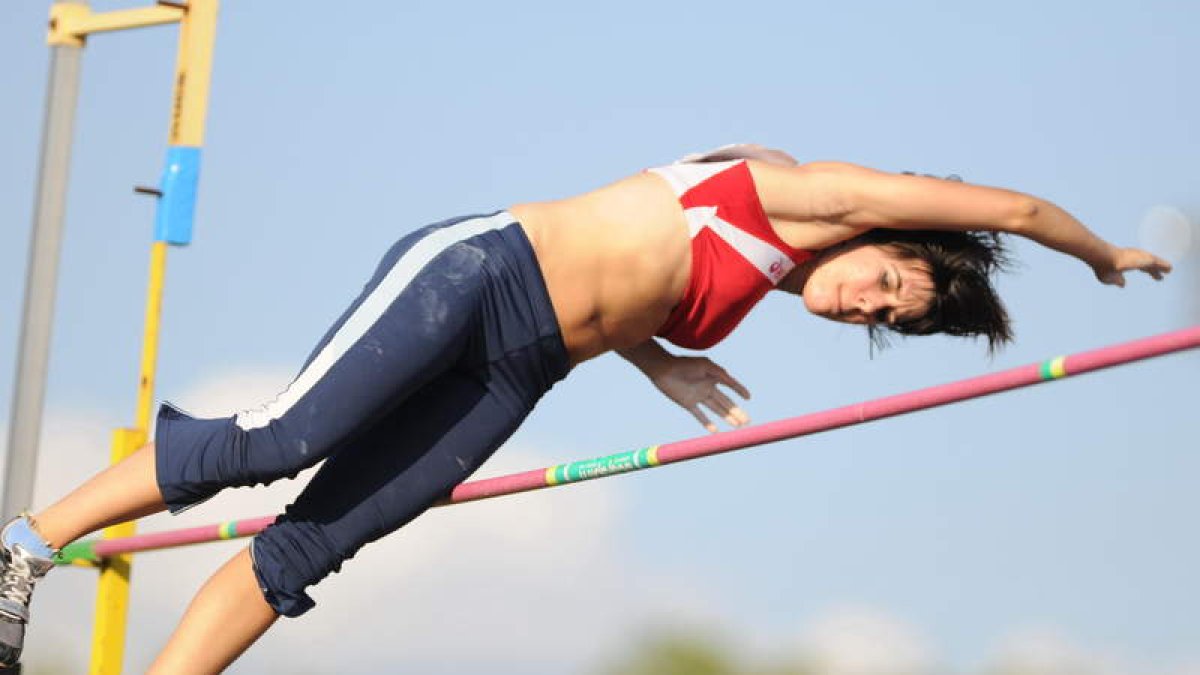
(820, 304)
(826, 309)
(836, 318)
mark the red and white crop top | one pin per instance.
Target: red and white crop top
(736, 255)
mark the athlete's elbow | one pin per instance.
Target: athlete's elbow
(1023, 215)
(833, 190)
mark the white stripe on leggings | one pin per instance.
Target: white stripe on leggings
(397, 279)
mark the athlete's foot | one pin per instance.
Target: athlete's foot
(24, 558)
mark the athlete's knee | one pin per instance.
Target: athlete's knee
(196, 457)
(291, 555)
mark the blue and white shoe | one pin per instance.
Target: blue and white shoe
(24, 558)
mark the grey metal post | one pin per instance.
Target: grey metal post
(41, 281)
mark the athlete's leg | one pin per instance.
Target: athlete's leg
(122, 492)
(127, 490)
(411, 324)
(437, 438)
(381, 480)
(383, 346)
(401, 465)
(227, 616)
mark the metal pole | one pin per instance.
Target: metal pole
(25, 423)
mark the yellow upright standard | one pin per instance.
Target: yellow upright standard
(71, 23)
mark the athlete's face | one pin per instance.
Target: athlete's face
(868, 284)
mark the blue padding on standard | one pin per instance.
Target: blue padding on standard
(176, 207)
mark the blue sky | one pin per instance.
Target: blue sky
(334, 130)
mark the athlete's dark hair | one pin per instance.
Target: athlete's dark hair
(961, 265)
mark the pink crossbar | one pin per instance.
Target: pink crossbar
(1166, 343)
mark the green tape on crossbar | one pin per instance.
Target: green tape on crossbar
(603, 466)
(80, 552)
(1053, 369)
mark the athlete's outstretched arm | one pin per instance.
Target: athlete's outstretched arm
(690, 381)
(855, 199)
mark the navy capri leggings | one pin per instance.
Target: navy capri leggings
(432, 367)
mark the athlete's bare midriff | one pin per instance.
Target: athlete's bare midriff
(616, 261)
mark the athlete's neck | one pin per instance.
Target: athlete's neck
(796, 279)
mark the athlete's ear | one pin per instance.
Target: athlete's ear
(741, 151)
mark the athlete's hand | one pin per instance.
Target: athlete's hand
(1121, 260)
(691, 381)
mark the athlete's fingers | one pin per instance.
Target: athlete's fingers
(739, 416)
(1158, 269)
(742, 416)
(732, 414)
(728, 380)
(722, 400)
(719, 409)
(702, 418)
